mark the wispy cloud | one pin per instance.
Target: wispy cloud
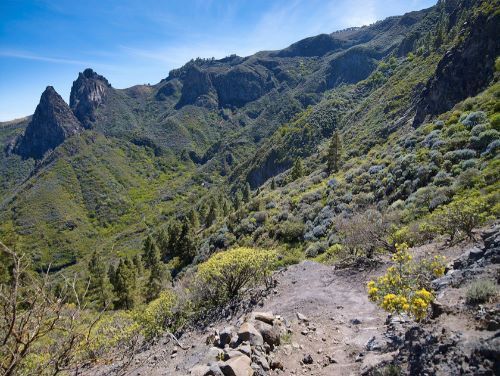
(57, 60)
(29, 56)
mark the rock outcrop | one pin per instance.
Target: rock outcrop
(463, 71)
(52, 122)
(244, 351)
(451, 347)
(88, 92)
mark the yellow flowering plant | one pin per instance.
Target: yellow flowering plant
(405, 287)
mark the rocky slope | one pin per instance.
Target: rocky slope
(317, 320)
(462, 72)
(52, 123)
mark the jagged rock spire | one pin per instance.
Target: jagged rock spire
(88, 92)
(52, 122)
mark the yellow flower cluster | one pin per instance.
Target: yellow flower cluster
(438, 266)
(401, 256)
(372, 290)
(420, 303)
(395, 303)
(402, 287)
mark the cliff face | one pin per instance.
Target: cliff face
(88, 92)
(463, 71)
(52, 123)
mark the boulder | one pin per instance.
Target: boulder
(475, 254)
(201, 370)
(225, 336)
(213, 354)
(307, 359)
(239, 366)
(269, 333)
(229, 354)
(262, 362)
(248, 333)
(266, 317)
(245, 349)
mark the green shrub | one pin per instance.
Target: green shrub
(481, 291)
(115, 332)
(159, 315)
(229, 274)
(389, 370)
(290, 231)
(462, 216)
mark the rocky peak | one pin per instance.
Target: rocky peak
(51, 124)
(88, 92)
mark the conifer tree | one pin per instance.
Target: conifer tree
(247, 193)
(149, 252)
(186, 246)
(194, 219)
(237, 200)
(297, 169)
(125, 284)
(139, 266)
(203, 211)
(225, 208)
(171, 249)
(99, 287)
(334, 153)
(155, 282)
(212, 215)
(112, 274)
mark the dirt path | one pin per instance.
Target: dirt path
(334, 328)
(341, 319)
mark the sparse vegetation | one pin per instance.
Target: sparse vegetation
(481, 292)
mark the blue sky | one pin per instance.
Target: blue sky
(47, 42)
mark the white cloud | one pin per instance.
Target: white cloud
(30, 56)
(57, 60)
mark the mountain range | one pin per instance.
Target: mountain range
(115, 164)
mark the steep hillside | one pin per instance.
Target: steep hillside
(241, 118)
(176, 205)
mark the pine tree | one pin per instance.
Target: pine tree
(212, 215)
(247, 193)
(334, 153)
(203, 211)
(99, 287)
(139, 266)
(237, 200)
(155, 282)
(150, 252)
(194, 219)
(186, 246)
(297, 169)
(125, 284)
(171, 250)
(112, 274)
(226, 208)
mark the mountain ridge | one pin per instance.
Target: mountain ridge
(240, 120)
